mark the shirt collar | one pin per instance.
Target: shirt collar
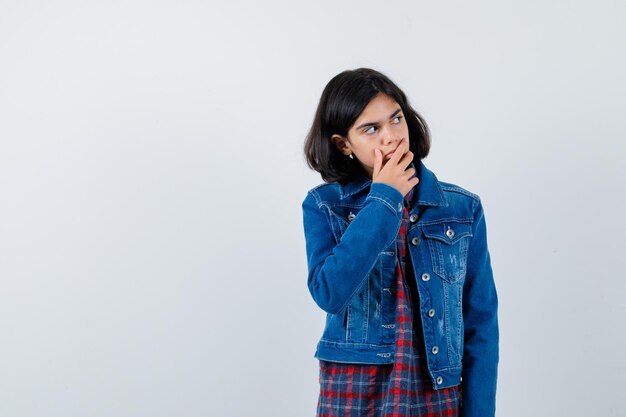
(429, 192)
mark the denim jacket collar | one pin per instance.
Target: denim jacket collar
(429, 192)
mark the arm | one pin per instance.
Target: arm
(337, 271)
(480, 319)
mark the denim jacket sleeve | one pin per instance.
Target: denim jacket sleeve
(480, 318)
(336, 271)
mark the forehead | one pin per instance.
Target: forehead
(379, 108)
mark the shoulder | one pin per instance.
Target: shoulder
(323, 191)
(458, 201)
(454, 189)
(461, 199)
(323, 186)
(447, 195)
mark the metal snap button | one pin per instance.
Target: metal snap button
(415, 240)
(431, 312)
(399, 206)
(351, 216)
(450, 232)
(439, 380)
(435, 349)
(425, 276)
(413, 218)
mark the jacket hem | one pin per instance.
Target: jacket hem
(372, 354)
(365, 353)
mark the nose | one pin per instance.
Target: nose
(388, 136)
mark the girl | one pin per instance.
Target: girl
(399, 262)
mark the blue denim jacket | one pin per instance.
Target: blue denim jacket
(350, 234)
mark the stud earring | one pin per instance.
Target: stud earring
(351, 157)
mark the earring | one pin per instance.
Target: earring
(351, 157)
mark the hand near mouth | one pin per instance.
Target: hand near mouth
(394, 172)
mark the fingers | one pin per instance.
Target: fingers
(378, 161)
(406, 159)
(401, 149)
(410, 172)
(406, 144)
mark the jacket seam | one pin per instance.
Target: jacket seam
(334, 342)
(373, 197)
(460, 191)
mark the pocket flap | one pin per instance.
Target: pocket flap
(448, 232)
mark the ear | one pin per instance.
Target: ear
(342, 144)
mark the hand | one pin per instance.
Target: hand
(394, 173)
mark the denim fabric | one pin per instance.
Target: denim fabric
(350, 232)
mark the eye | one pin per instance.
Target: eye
(368, 129)
(397, 117)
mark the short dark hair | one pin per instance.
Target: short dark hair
(342, 101)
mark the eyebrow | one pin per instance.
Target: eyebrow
(375, 123)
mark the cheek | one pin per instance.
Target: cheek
(405, 133)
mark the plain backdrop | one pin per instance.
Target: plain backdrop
(152, 257)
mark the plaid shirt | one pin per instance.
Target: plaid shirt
(401, 389)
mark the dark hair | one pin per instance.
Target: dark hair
(343, 99)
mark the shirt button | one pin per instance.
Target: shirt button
(351, 216)
(425, 276)
(450, 232)
(415, 240)
(413, 218)
(439, 380)
(431, 312)
(435, 350)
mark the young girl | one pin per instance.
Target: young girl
(399, 262)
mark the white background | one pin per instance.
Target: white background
(151, 177)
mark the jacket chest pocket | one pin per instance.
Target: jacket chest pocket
(448, 243)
